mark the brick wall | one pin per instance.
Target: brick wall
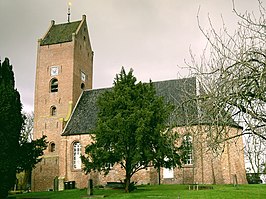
(209, 167)
(44, 173)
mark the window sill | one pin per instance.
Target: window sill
(76, 170)
(187, 166)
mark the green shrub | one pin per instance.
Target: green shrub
(253, 178)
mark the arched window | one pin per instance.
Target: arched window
(187, 149)
(52, 147)
(53, 111)
(82, 86)
(54, 85)
(76, 155)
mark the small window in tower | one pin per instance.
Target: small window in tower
(54, 85)
(84, 38)
(52, 147)
(53, 111)
(82, 86)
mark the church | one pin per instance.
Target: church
(65, 111)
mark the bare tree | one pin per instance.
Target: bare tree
(26, 133)
(255, 154)
(26, 137)
(232, 75)
(232, 72)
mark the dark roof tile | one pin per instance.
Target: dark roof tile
(60, 33)
(84, 117)
(180, 92)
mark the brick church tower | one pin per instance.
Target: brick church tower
(64, 69)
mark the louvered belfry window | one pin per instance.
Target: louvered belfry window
(54, 85)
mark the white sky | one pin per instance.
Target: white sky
(150, 36)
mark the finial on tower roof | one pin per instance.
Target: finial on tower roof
(68, 12)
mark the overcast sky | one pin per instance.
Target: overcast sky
(151, 36)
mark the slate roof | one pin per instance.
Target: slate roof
(84, 116)
(60, 33)
(180, 92)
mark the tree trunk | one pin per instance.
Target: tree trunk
(159, 175)
(127, 183)
(26, 180)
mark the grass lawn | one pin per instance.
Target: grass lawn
(160, 192)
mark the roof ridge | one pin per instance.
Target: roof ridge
(159, 81)
(67, 23)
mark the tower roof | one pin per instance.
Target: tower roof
(60, 33)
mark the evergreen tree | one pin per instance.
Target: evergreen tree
(131, 130)
(17, 153)
(11, 121)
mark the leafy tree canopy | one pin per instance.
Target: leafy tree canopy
(131, 129)
(30, 153)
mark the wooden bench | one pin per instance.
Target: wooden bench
(199, 187)
(193, 187)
